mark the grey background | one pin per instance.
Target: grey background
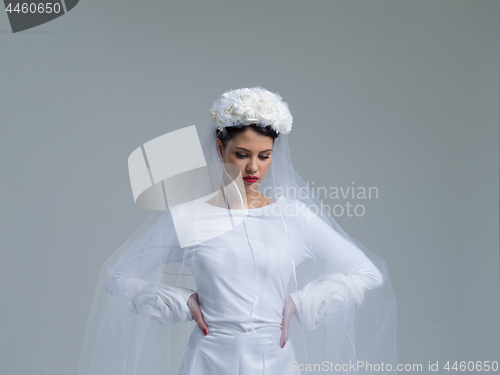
(401, 95)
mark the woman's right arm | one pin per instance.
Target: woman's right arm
(132, 276)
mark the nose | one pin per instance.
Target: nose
(252, 166)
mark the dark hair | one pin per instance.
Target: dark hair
(229, 132)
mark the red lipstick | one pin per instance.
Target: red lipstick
(250, 179)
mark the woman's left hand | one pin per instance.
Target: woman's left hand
(288, 312)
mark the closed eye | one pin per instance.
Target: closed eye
(242, 156)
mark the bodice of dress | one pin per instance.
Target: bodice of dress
(242, 275)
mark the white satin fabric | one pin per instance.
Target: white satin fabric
(242, 284)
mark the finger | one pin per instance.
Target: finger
(284, 328)
(284, 334)
(283, 339)
(203, 327)
(198, 317)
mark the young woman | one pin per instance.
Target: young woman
(273, 283)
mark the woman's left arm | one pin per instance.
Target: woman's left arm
(354, 272)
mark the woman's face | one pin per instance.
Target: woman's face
(252, 153)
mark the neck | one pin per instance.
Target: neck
(252, 197)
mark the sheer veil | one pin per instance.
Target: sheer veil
(345, 319)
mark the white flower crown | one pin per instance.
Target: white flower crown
(248, 106)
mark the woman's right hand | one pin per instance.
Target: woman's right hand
(194, 306)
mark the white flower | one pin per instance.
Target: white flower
(248, 99)
(251, 116)
(254, 105)
(268, 113)
(213, 115)
(267, 96)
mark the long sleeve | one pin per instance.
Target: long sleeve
(163, 303)
(323, 297)
(130, 277)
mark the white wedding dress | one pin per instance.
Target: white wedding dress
(242, 284)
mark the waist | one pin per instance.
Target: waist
(255, 328)
(232, 342)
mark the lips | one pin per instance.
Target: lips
(250, 178)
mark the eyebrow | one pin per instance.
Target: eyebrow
(269, 149)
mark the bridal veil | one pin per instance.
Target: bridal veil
(345, 319)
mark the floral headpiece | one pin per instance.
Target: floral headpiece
(249, 106)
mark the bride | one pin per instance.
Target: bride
(274, 285)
